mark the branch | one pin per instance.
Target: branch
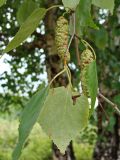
(106, 115)
(115, 107)
(72, 36)
(77, 37)
(111, 103)
(77, 52)
(35, 44)
(76, 41)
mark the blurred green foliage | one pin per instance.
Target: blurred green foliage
(38, 146)
(83, 151)
(88, 136)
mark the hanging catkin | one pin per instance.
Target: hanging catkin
(61, 38)
(86, 58)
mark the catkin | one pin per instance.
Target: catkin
(61, 38)
(86, 58)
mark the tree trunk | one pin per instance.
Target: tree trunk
(69, 154)
(53, 66)
(107, 148)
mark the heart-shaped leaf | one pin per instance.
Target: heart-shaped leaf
(62, 120)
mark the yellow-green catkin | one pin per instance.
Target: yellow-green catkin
(61, 38)
(86, 58)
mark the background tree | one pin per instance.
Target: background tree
(107, 146)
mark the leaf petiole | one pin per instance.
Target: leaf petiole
(69, 76)
(88, 45)
(61, 72)
(66, 69)
(55, 6)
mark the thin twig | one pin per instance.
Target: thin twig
(106, 115)
(72, 36)
(111, 103)
(77, 51)
(75, 35)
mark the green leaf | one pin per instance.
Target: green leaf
(111, 124)
(104, 4)
(2, 2)
(92, 83)
(62, 120)
(99, 37)
(70, 3)
(28, 119)
(83, 15)
(27, 28)
(26, 8)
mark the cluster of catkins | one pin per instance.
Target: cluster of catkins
(87, 57)
(61, 39)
